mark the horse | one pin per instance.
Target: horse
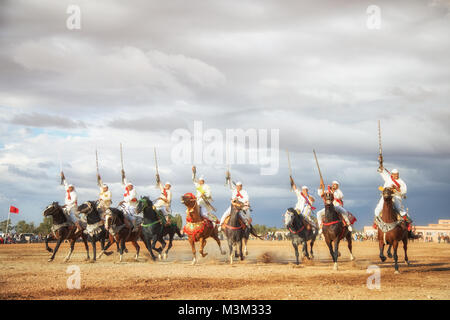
(95, 229)
(299, 234)
(197, 228)
(390, 229)
(334, 229)
(63, 229)
(154, 227)
(120, 233)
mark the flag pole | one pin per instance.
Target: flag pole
(7, 222)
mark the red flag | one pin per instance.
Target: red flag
(13, 210)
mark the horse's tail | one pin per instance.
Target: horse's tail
(253, 232)
(178, 232)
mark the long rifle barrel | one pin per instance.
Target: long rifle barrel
(318, 167)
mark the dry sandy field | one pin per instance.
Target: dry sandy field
(268, 272)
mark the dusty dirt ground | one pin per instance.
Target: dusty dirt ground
(268, 272)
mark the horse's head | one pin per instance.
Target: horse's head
(189, 200)
(89, 208)
(289, 217)
(51, 209)
(328, 197)
(237, 205)
(387, 193)
(143, 203)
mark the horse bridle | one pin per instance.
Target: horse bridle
(292, 222)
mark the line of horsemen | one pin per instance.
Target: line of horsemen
(304, 205)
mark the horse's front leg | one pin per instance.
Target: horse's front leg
(336, 254)
(72, 246)
(245, 246)
(47, 239)
(94, 248)
(148, 245)
(389, 253)
(395, 245)
(194, 252)
(231, 250)
(349, 243)
(295, 245)
(405, 248)
(381, 245)
(60, 240)
(241, 254)
(169, 246)
(305, 249)
(311, 246)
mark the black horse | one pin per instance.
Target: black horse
(154, 228)
(95, 230)
(63, 229)
(334, 229)
(119, 233)
(299, 233)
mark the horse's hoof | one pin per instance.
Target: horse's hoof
(335, 267)
(165, 256)
(352, 258)
(390, 255)
(396, 272)
(407, 263)
(50, 260)
(383, 259)
(108, 253)
(204, 254)
(136, 258)
(194, 261)
(159, 257)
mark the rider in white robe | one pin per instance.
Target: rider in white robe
(338, 205)
(242, 196)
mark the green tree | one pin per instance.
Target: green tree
(45, 226)
(23, 227)
(179, 220)
(3, 226)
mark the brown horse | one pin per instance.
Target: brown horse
(334, 229)
(120, 233)
(390, 229)
(63, 229)
(197, 228)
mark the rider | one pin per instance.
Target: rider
(393, 180)
(304, 204)
(71, 203)
(163, 204)
(242, 196)
(338, 205)
(130, 204)
(204, 198)
(105, 197)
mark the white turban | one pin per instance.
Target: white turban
(239, 183)
(305, 188)
(335, 182)
(394, 171)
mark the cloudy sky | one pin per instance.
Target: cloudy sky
(138, 70)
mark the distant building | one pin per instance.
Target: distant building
(430, 233)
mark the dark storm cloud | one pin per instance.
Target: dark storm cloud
(313, 70)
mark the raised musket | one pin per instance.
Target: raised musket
(322, 184)
(380, 147)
